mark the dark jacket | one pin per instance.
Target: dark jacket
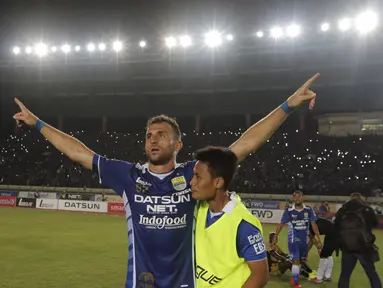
(369, 215)
(325, 226)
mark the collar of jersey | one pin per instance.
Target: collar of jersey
(146, 167)
(229, 207)
(303, 207)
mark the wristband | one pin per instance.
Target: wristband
(285, 107)
(39, 125)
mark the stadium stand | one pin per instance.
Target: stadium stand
(320, 165)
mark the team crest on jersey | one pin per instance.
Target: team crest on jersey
(146, 280)
(306, 215)
(179, 183)
(294, 216)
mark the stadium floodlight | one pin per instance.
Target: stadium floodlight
(117, 46)
(101, 46)
(344, 24)
(185, 41)
(142, 44)
(213, 39)
(229, 37)
(276, 32)
(366, 22)
(53, 49)
(259, 34)
(16, 50)
(28, 50)
(90, 47)
(293, 30)
(77, 48)
(66, 48)
(325, 27)
(171, 41)
(41, 49)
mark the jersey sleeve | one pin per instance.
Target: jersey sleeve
(285, 217)
(313, 216)
(112, 173)
(250, 244)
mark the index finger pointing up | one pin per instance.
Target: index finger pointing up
(20, 104)
(310, 81)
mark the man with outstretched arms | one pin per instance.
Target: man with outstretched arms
(157, 195)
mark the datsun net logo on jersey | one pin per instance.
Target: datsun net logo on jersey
(163, 204)
(160, 207)
(300, 224)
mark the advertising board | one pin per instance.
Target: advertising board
(48, 204)
(83, 206)
(6, 193)
(26, 202)
(267, 215)
(116, 208)
(7, 201)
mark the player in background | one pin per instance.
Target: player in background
(280, 262)
(157, 195)
(230, 251)
(298, 217)
(330, 244)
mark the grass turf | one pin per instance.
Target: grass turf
(63, 249)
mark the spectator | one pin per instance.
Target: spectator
(323, 209)
(320, 165)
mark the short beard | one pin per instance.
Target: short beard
(161, 161)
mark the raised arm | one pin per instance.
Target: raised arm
(253, 138)
(65, 143)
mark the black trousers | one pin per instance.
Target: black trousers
(348, 264)
(330, 244)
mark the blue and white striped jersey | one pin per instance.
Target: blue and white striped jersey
(160, 214)
(299, 223)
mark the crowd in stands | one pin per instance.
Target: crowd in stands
(290, 160)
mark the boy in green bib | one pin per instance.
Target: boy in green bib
(230, 251)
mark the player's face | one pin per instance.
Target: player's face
(204, 186)
(161, 145)
(297, 198)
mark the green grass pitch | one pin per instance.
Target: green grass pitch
(63, 249)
